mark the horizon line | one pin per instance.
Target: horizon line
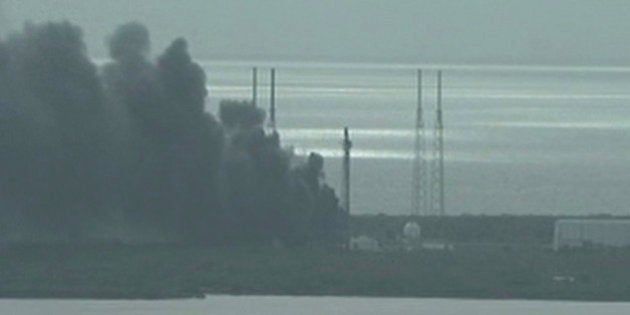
(385, 65)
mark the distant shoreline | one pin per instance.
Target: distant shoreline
(393, 65)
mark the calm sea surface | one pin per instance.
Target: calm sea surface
(227, 305)
(517, 140)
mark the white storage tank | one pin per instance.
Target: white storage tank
(411, 231)
(581, 232)
(412, 238)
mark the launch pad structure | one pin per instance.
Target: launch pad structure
(428, 162)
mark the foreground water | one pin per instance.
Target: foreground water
(518, 140)
(227, 305)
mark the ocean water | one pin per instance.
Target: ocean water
(227, 305)
(518, 140)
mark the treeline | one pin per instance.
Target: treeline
(537, 230)
(495, 229)
(126, 152)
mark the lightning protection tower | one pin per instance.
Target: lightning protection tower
(437, 162)
(419, 193)
(347, 145)
(272, 101)
(254, 86)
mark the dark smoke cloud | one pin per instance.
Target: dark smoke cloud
(183, 81)
(130, 154)
(173, 146)
(129, 42)
(236, 114)
(265, 198)
(53, 98)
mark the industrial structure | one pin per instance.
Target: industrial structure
(437, 163)
(272, 96)
(572, 233)
(427, 185)
(419, 172)
(412, 237)
(364, 243)
(347, 145)
(255, 87)
(428, 180)
(272, 101)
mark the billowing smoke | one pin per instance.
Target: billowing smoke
(51, 102)
(265, 198)
(128, 153)
(171, 146)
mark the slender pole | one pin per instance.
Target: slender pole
(254, 86)
(272, 101)
(419, 169)
(440, 126)
(347, 145)
(437, 163)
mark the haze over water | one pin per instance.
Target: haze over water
(518, 140)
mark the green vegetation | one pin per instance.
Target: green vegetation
(479, 267)
(509, 229)
(536, 230)
(150, 272)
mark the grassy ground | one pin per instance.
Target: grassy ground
(484, 271)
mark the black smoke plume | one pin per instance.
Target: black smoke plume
(128, 153)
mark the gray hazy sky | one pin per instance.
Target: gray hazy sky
(545, 32)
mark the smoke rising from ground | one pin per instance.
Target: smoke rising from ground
(127, 153)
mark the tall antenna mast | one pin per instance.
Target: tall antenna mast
(272, 101)
(437, 169)
(347, 145)
(419, 194)
(254, 86)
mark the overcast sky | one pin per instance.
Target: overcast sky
(545, 32)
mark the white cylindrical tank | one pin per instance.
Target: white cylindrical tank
(411, 231)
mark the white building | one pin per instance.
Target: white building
(581, 232)
(437, 245)
(364, 243)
